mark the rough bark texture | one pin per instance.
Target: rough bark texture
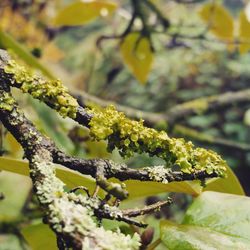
(69, 215)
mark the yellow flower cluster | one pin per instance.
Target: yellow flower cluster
(51, 92)
(131, 137)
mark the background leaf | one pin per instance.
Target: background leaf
(219, 20)
(230, 184)
(189, 237)
(15, 195)
(82, 12)
(8, 42)
(225, 213)
(244, 33)
(40, 237)
(143, 189)
(69, 177)
(138, 56)
(213, 221)
(135, 188)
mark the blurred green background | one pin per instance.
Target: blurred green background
(184, 69)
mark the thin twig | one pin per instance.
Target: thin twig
(147, 209)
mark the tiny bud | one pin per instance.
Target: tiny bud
(147, 236)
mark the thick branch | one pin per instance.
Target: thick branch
(123, 173)
(152, 119)
(69, 215)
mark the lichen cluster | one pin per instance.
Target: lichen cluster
(72, 214)
(133, 137)
(158, 173)
(6, 101)
(51, 92)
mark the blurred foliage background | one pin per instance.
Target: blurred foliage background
(185, 68)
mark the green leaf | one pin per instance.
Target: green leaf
(8, 42)
(143, 189)
(14, 166)
(136, 188)
(69, 177)
(82, 12)
(15, 189)
(137, 55)
(214, 221)
(39, 237)
(10, 241)
(188, 237)
(225, 213)
(229, 184)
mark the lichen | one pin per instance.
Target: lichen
(51, 92)
(71, 214)
(158, 173)
(6, 101)
(130, 137)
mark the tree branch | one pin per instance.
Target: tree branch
(128, 136)
(188, 108)
(70, 215)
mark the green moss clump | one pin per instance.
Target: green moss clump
(133, 137)
(51, 92)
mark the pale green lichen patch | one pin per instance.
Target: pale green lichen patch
(72, 215)
(51, 92)
(6, 101)
(158, 173)
(133, 137)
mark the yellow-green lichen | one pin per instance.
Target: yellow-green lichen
(6, 102)
(133, 137)
(51, 92)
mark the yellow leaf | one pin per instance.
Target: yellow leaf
(52, 53)
(84, 11)
(137, 54)
(14, 148)
(23, 30)
(138, 189)
(230, 184)
(244, 33)
(219, 20)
